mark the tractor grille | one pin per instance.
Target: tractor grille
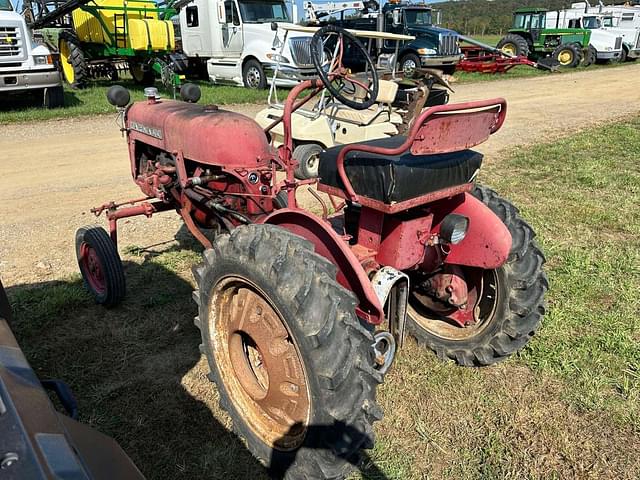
(11, 42)
(448, 44)
(618, 43)
(301, 51)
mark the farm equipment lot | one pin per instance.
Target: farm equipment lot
(568, 406)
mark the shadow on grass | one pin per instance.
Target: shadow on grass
(134, 370)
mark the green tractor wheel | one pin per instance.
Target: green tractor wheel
(72, 61)
(569, 55)
(515, 45)
(142, 74)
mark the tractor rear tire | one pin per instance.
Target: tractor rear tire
(514, 44)
(75, 69)
(307, 156)
(100, 265)
(143, 76)
(520, 285)
(568, 56)
(292, 363)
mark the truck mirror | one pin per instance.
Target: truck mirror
(396, 17)
(274, 26)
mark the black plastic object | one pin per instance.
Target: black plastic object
(190, 92)
(118, 96)
(64, 394)
(391, 179)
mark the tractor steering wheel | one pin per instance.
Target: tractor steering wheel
(338, 79)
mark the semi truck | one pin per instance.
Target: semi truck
(622, 20)
(26, 67)
(236, 42)
(433, 47)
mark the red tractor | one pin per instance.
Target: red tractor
(301, 313)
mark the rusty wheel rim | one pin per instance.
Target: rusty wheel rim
(260, 363)
(490, 293)
(93, 268)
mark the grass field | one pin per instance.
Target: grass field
(568, 406)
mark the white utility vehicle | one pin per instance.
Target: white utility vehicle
(25, 66)
(235, 38)
(604, 45)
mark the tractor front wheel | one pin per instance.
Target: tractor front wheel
(569, 55)
(292, 363)
(509, 305)
(72, 61)
(100, 265)
(142, 74)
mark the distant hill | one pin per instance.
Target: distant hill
(483, 17)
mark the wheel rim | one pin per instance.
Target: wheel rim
(409, 66)
(92, 268)
(490, 288)
(509, 48)
(565, 57)
(254, 77)
(67, 67)
(312, 162)
(260, 364)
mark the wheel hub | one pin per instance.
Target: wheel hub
(565, 57)
(91, 263)
(253, 77)
(261, 366)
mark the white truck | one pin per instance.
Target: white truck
(604, 45)
(623, 20)
(237, 41)
(24, 66)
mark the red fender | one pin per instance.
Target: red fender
(330, 245)
(488, 241)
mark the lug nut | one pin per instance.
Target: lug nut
(8, 460)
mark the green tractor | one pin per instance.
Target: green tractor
(531, 37)
(100, 38)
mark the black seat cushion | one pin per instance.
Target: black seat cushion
(401, 177)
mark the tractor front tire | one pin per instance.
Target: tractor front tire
(75, 70)
(142, 74)
(308, 157)
(518, 289)
(514, 45)
(568, 56)
(292, 363)
(100, 265)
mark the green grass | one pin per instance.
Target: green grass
(92, 101)
(566, 407)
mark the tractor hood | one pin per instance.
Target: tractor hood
(205, 134)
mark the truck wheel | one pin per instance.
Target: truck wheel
(569, 55)
(624, 55)
(510, 307)
(410, 63)
(591, 57)
(74, 65)
(514, 45)
(308, 157)
(253, 75)
(100, 265)
(292, 363)
(54, 97)
(141, 74)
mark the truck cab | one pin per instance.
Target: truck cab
(236, 41)
(624, 21)
(24, 65)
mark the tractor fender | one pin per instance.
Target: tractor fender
(328, 244)
(488, 241)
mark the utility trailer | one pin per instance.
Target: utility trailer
(100, 38)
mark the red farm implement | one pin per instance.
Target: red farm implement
(301, 314)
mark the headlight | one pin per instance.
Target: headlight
(454, 228)
(276, 57)
(42, 60)
(427, 51)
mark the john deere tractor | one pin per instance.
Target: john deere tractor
(532, 37)
(99, 38)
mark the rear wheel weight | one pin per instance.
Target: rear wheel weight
(264, 275)
(100, 265)
(516, 291)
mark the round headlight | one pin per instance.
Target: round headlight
(454, 228)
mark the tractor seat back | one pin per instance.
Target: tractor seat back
(434, 156)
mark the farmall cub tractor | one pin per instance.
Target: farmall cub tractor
(301, 314)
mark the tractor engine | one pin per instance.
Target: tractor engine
(215, 162)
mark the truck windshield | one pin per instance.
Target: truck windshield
(5, 5)
(417, 18)
(607, 22)
(262, 12)
(591, 22)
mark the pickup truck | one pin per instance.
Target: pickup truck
(26, 67)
